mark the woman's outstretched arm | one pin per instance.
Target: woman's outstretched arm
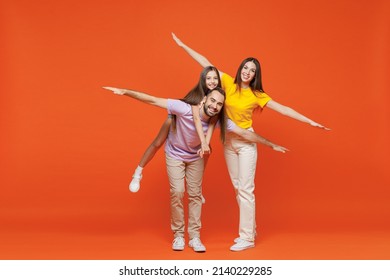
(289, 112)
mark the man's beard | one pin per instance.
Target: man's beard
(207, 113)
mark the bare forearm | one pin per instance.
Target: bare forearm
(141, 96)
(295, 115)
(199, 130)
(211, 129)
(255, 138)
(203, 61)
(289, 112)
(209, 134)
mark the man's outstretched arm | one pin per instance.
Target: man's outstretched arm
(146, 98)
(255, 138)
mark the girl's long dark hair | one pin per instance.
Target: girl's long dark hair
(199, 91)
(196, 94)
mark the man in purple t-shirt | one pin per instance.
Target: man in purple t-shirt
(184, 163)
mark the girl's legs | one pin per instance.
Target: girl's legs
(149, 154)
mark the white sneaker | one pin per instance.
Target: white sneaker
(135, 183)
(242, 245)
(197, 245)
(236, 240)
(178, 243)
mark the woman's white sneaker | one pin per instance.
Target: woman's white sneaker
(242, 244)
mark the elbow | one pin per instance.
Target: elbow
(247, 136)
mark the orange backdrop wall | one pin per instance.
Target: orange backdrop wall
(68, 148)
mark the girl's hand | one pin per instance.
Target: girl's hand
(205, 149)
(177, 40)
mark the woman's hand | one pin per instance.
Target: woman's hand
(318, 125)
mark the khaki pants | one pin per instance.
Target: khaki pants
(192, 173)
(241, 159)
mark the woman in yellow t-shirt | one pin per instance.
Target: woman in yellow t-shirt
(244, 94)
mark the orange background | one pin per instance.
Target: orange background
(69, 148)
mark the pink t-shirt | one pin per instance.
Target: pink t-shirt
(183, 143)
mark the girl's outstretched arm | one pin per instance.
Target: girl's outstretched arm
(289, 112)
(203, 61)
(210, 130)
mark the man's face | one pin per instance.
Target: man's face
(214, 103)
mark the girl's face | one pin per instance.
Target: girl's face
(211, 79)
(248, 72)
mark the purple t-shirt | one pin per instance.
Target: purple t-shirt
(183, 143)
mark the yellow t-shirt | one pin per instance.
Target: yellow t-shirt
(240, 105)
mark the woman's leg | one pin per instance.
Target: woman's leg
(247, 159)
(241, 158)
(149, 154)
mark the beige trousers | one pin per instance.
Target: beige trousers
(241, 159)
(192, 174)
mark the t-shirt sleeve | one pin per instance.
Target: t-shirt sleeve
(263, 99)
(176, 107)
(230, 125)
(227, 81)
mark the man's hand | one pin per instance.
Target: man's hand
(279, 148)
(118, 91)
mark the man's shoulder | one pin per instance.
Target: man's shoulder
(178, 107)
(176, 102)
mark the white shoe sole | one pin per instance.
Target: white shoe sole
(134, 187)
(199, 250)
(237, 249)
(178, 248)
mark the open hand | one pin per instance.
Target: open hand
(118, 91)
(280, 149)
(319, 125)
(177, 40)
